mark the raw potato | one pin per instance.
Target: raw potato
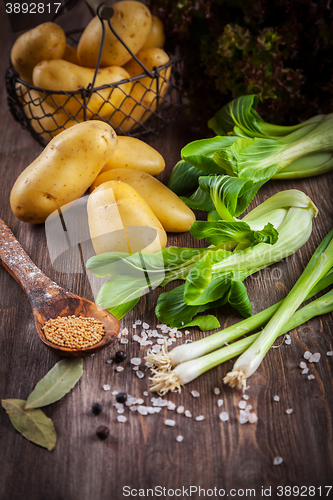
(135, 154)
(44, 119)
(65, 169)
(63, 75)
(70, 54)
(47, 41)
(121, 221)
(146, 88)
(142, 101)
(170, 210)
(156, 37)
(131, 21)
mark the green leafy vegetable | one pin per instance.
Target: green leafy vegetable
(201, 153)
(33, 424)
(217, 276)
(184, 178)
(230, 195)
(56, 383)
(213, 276)
(222, 232)
(205, 323)
(261, 150)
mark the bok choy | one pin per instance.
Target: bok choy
(213, 276)
(248, 152)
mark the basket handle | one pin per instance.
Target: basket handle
(102, 9)
(105, 12)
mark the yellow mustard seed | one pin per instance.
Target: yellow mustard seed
(77, 332)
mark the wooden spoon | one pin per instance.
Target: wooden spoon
(48, 300)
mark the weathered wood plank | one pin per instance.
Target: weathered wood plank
(143, 452)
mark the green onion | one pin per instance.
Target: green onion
(165, 360)
(164, 381)
(319, 264)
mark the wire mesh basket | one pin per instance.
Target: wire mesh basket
(134, 106)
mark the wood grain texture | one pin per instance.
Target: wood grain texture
(143, 452)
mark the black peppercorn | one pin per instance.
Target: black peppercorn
(96, 408)
(121, 397)
(121, 356)
(102, 432)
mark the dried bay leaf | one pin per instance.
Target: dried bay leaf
(56, 383)
(34, 425)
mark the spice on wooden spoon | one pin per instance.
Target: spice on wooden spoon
(49, 301)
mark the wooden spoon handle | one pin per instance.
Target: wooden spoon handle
(20, 266)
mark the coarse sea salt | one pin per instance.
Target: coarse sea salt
(170, 423)
(253, 418)
(199, 418)
(242, 405)
(145, 326)
(276, 398)
(142, 410)
(243, 416)
(329, 353)
(180, 409)
(311, 377)
(246, 396)
(136, 361)
(136, 368)
(307, 355)
(145, 393)
(124, 341)
(109, 361)
(188, 413)
(302, 365)
(277, 460)
(171, 405)
(106, 387)
(224, 416)
(305, 371)
(219, 402)
(139, 374)
(179, 438)
(114, 393)
(121, 418)
(140, 401)
(195, 394)
(289, 411)
(216, 391)
(120, 368)
(315, 357)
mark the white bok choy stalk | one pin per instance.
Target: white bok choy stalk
(319, 264)
(164, 381)
(166, 360)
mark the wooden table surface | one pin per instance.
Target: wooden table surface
(143, 452)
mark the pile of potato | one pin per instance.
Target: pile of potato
(129, 210)
(42, 58)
